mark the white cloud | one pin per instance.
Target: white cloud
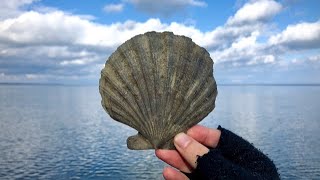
(164, 7)
(110, 8)
(168, 3)
(261, 59)
(65, 45)
(55, 45)
(58, 28)
(195, 3)
(299, 36)
(12, 8)
(246, 42)
(36, 28)
(305, 62)
(255, 12)
(80, 61)
(32, 76)
(245, 50)
(315, 58)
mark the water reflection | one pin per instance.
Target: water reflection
(57, 132)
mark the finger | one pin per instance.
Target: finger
(173, 158)
(206, 136)
(189, 148)
(172, 174)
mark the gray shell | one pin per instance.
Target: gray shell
(159, 84)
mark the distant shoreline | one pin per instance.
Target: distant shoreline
(45, 84)
(222, 84)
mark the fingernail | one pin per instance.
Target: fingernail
(182, 140)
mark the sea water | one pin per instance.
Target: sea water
(62, 132)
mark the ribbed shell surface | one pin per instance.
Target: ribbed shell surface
(159, 84)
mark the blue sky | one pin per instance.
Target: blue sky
(59, 41)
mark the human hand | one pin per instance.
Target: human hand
(189, 147)
(205, 153)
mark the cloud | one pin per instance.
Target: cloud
(244, 51)
(164, 7)
(258, 11)
(113, 8)
(236, 42)
(299, 36)
(61, 29)
(54, 46)
(34, 28)
(312, 59)
(315, 58)
(13, 8)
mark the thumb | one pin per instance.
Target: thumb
(189, 148)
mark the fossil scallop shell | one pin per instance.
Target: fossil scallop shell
(159, 84)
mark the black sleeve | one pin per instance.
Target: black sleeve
(234, 158)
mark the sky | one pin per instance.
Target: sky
(69, 41)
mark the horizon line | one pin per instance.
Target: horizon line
(218, 84)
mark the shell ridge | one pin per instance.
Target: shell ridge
(105, 103)
(160, 91)
(164, 75)
(146, 96)
(128, 94)
(176, 92)
(198, 102)
(160, 84)
(150, 80)
(176, 100)
(112, 84)
(141, 104)
(172, 94)
(169, 70)
(168, 100)
(189, 72)
(205, 107)
(154, 73)
(142, 80)
(188, 80)
(116, 101)
(201, 74)
(157, 81)
(117, 112)
(195, 98)
(154, 69)
(125, 81)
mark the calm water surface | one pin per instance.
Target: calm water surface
(62, 132)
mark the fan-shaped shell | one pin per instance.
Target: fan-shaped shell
(159, 84)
